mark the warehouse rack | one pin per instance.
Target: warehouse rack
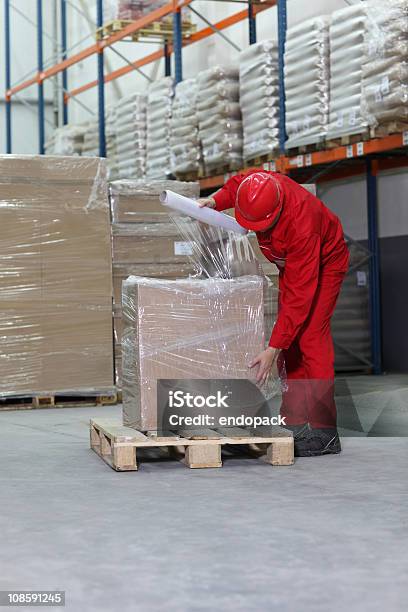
(366, 157)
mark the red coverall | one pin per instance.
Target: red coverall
(308, 247)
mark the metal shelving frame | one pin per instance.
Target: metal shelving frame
(367, 157)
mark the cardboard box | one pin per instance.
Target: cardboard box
(165, 271)
(186, 329)
(138, 201)
(55, 276)
(153, 243)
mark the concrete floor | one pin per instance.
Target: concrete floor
(329, 533)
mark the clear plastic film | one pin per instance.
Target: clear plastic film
(159, 104)
(184, 140)
(385, 69)
(307, 82)
(130, 131)
(55, 276)
(219, 117)
(188, 329)
(347, 56)
(259, 98)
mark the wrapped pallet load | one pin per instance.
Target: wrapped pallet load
(66, 140)
(144, 241)
(90, 148)
(347, 56)
(307, 82)
(184, 138)
(159, 103)
(219, 118)
(55, 277)
(259, 98)
(385, 69)
(130, 130)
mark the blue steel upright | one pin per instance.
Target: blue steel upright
(373, 245)
(101, 86)
(8, 72)
(64, 56)
(177, 47)
(251, 23)
(282, 27)
(40, 67)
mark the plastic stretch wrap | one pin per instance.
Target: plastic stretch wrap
(66, 140)
(347, 56)
(259, 98)
(385, 69)
(159, 102)
(307, 82)
(187, 329)
(217, 253)
(55, 276)
(138, 201)
(129, 9)
(130, 130)
(219, 117)
(184, 139)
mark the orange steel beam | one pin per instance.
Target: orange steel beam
(100, 45)
(356, 152)
(200, 35)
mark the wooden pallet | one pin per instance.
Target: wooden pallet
(31, 402)
(262, 160)
(347, 139)
(162, 29)
(118, 445)
(393, 127)
(305, 149)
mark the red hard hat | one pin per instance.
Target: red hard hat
(258, 202)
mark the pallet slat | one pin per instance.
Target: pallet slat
(117, 444)
(26, 402)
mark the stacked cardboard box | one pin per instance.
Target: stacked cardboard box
(55, 276)
(144, 240)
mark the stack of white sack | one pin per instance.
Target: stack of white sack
(184, 140)
(307, 82)
(129, 9)
(90, 147)
(159, 103)
(219, 117)
(347, 55)
(259, 98)
(385, 70)
(130, 131)
(110, 137)
(66, 140)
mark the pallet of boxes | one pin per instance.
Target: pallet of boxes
(191, 331)
(56, 282)
(144, 241)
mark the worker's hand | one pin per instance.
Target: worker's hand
(210, 202)
(265, 362)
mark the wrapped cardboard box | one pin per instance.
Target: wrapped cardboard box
(186, 329)
(138, 201)
(158, 243)
(55, 276)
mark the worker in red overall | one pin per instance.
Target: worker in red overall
(305, 240)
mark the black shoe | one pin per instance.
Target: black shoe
(314, 442)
